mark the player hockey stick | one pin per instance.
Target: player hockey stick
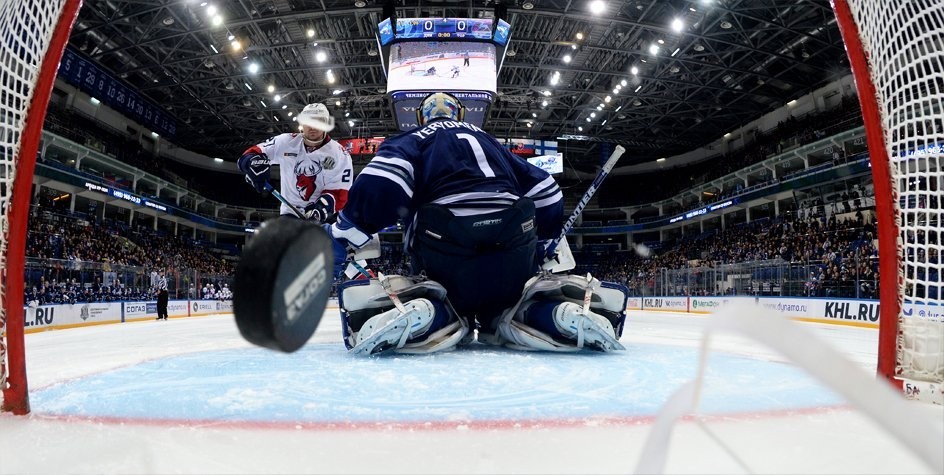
(278, 196)
(610, 162)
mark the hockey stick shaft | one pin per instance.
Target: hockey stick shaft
(610, 162)
(284, 201)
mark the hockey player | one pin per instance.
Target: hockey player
(476, 217)
(316, 172)
(455, 71)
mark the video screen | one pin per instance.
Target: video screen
(502, 30)
(442, 65)
(386, 31)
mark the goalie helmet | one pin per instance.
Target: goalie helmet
(317, 116)
(437, 105)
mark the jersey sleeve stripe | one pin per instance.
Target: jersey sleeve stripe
(403, 174)
(545, 193)
(549, 201)
(478, 195)
(398, 162)
(542, 186)
(407, 189)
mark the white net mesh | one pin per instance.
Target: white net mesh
(26, 28)
(904, 43)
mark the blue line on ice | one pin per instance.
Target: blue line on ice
(322, 383)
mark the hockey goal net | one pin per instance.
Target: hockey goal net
(33, 35)
(896, 49)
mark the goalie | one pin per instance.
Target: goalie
(477, 218)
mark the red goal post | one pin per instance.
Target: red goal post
(896, 50)
(33, 35)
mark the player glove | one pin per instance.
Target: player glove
(321, 210)
(256, 168)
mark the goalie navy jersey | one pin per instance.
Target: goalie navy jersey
(454, 164)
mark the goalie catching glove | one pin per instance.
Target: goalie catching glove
(256, 167)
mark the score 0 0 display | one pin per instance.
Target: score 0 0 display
(435, 28)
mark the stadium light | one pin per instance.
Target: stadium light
(579, 35)
(277, 98)
(321, 56)
(653, 49)
(678, 25)
(271, 88)
(597, 7)
(634, 70)
(310, 33)
(546, 92)
(253, 68)
(623, 83)
(543, 103)
(236, 45)
(566, 58)
(211, 10)
(217, 20)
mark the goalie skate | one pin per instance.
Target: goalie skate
(588, 329)
(393, 329)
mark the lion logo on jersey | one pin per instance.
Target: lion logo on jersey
(306, 172)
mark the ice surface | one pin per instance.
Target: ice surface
(189, 395)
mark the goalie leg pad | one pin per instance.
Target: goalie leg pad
(550, 316)
(372, 324)
(393, 329)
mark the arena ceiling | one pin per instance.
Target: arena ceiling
(730, 62)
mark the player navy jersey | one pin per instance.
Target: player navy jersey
(454, 164)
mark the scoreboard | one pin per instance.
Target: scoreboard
(441, 29)
(458, 55)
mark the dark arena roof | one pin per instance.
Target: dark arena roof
(693, 70)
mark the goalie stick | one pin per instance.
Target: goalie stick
(610, 162)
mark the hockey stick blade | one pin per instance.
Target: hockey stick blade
(282, 284)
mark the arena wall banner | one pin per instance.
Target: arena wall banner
(177, 308)
(134, 311)
(634, 303)
(852, 312)
(47, 317)
(665, 304)
(210, 307)
(930, 311)
(711, 304)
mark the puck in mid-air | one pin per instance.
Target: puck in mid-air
(283, 281)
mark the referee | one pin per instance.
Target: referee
(162, 296)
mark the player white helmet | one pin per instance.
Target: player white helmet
(317, 116)
(439, 104)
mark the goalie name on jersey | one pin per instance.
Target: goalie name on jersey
(443, 124)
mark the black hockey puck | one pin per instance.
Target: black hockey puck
(283, 281)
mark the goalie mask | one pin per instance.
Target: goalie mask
(316, 116)
(439, 105)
